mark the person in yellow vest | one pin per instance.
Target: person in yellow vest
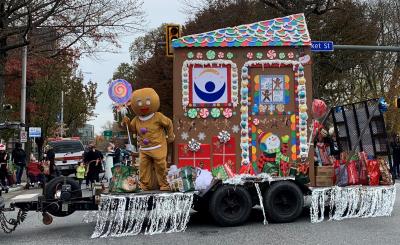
(154, 130)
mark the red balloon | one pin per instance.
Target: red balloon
(319, 108)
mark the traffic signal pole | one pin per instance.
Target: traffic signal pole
(367, 48)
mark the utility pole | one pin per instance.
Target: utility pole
(23, 88)
(62, 114)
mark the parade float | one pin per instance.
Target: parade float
(248, 133)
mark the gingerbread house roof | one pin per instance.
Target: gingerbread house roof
(284, 31)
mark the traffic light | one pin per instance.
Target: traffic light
(171, 32)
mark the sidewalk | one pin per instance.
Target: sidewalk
(16, 188)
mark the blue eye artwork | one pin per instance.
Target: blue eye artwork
(209, 85)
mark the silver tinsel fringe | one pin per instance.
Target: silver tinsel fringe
(128, 215)
(261, 202)
(352, 202)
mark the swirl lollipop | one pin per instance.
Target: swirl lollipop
(120, 91)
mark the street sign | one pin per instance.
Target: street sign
(322, 46)
(107, 133)
(23, 137)
(35, 132)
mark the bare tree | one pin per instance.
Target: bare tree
(83, 25)
(307, 7)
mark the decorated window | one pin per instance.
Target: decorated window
(274, 89)
(210, 85)
(209, 88)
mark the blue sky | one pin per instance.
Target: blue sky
(101, 68)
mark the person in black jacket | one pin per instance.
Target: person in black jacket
(396, 155)
(19, 158)
(3, 167)
(93, 160)
(50, 157)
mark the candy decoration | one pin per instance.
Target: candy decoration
(215, 112)
(224, 137)
(221, 55)
(146, 141)
(227, 112)
(319, 108)
(256, 121)
(194, 145)
(120, 91)
(204, 112)
(282, 56)
(271, 54)
(383, 106)
(199, 55)
(210, 54)
(249, 55)
(259, 55)
(229, 55)
(290, 55)
(190, 55)
(192, 113)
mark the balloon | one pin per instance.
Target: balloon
(319, 108)
(120, 91)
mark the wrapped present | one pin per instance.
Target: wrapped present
(341, 174)
(223, 152)
(220, 173)
(271, 168)
(124, 180)
(284, 165)
(200, 158)
(373, 172)
(385, 173)
(182, 179)
(362, 168)
(352, 173)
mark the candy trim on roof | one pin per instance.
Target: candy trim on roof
(284, 31)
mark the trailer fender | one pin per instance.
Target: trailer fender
(283, 201)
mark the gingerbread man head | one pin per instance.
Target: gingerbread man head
(145, 101)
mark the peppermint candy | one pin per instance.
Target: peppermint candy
(199, 55)
(194, 145)
(227, 112)
(192, 113)
(221, 55)
(256, 121)
(215, 112)
(271, 54)
(224, 137)
(204, 113)
(290, 55)
(249, 55)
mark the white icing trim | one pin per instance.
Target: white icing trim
(145, 118)
(149, 148)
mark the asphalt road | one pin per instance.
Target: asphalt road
(201, 230)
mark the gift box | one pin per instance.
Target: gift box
(223, 152)
(373, 172)
(352, 173)
(362, 168)
(326, 171)
(220, 173)
(200, 158)
(385, 173)
(124, 180)
(323, 181)
(182, 180)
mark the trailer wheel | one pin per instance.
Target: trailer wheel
(52, 193)
(230, 206)
(283, 201)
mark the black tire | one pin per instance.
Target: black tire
(50, 191)
(283, 202)
(230, 205)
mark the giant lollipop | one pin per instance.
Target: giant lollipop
(120, 91)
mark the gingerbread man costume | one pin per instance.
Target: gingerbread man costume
(154, 131)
